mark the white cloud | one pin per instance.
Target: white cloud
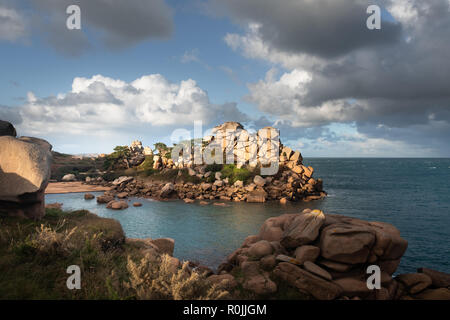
(284, 97)
(190, 56)
(101, 104)
(12, 24)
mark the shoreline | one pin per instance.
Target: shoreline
(73, 187)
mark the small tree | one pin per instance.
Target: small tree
(161, 148)
(120, 155)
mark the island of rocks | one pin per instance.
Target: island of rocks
(241, 181)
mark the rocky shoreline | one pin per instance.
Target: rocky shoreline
(312, 255)
(260, 190)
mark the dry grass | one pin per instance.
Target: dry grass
(34, 257)
(152, 279)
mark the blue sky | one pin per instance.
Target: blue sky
(251, 61)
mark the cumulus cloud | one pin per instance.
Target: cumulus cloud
(389, 89)
(115, 24)
(12, 24)
(101, 104)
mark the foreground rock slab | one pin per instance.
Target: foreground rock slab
(24, 174)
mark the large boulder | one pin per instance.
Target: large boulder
(257, 196)
(106, 198)
(303, 229)
(439, 279)
(415, 282)
(121, 180)
(69, 177)
(117, 205)
(24, 174)
(260, 249)
(165, 245)
(346, 243)
(307, 282)
(7, 129)
(166, 190)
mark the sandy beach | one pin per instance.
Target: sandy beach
(70, 187)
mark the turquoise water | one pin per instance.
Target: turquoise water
(412, 194)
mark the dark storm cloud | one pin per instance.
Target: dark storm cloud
(394, 85)
(116, 23)
(324, 28)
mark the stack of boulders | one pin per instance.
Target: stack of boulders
(291, 182)
(24, 173)
(327, 257)
(138, 153)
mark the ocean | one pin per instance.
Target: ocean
(411, 194)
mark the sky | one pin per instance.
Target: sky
(139, 70)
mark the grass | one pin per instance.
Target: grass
(147, 164)
(234, 174)
(35, 256)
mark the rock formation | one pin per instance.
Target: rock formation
(7, 129)
(292, 181)
(24, 174)
(321, 256)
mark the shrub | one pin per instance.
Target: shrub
(117, 158)
(147, 165)
(215, 167)
(49, 241)
(150, 280)
(233, 174)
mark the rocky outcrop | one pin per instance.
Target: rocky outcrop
(326, 257)
(292, 181)
(24, 174)
(137, 154)
(7, 129)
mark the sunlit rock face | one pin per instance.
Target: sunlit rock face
(25, 165)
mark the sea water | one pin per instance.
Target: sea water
(411, 194)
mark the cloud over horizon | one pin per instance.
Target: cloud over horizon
(389, 89)
(100, 106)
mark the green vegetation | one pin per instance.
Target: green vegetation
(233, 174)
(163, 149)
(117, 159)
(35, 256)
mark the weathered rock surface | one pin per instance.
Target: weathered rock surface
(69, 177)
(326, 257)
(257, 196)
(24, 174)
(306, 282)
(303, 229)
(166, 190)
(7, 129)
(165, 245)
(117, 205)
(105, 198)
(415, 282)
(306, 253)
(438, 279)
